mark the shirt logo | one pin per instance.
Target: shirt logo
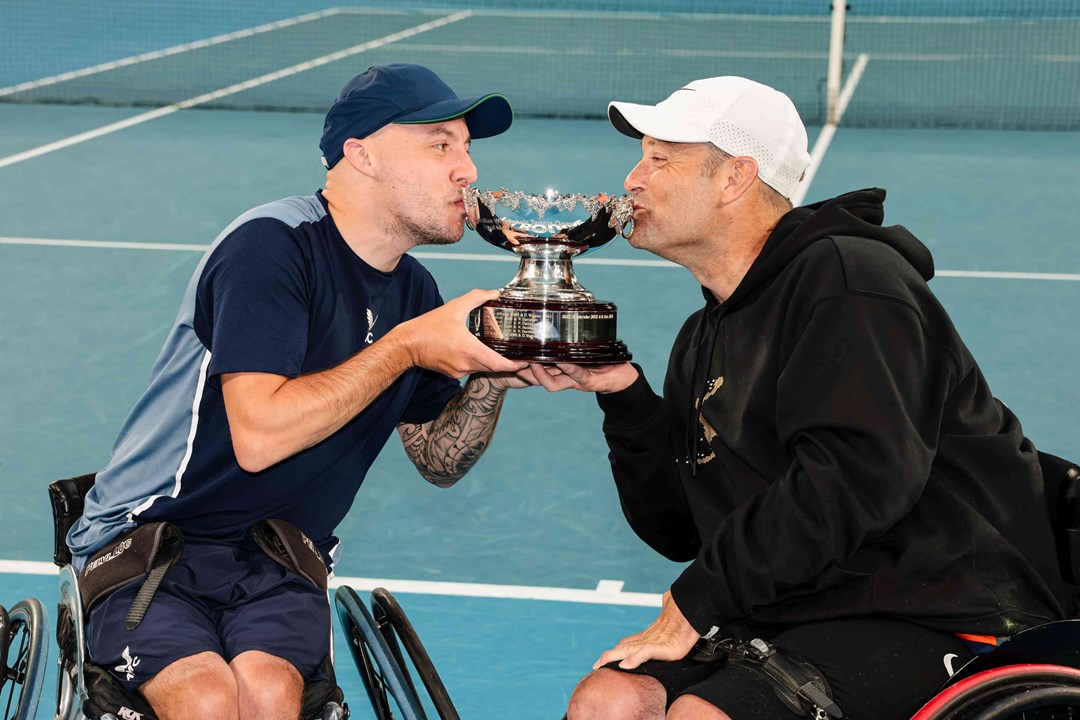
(129, 669)
(126, 713)
(371, 319)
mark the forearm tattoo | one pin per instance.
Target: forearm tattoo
(444, 449)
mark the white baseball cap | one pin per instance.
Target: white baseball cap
(739, 116)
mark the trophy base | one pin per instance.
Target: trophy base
(582, 333)
(555, 352)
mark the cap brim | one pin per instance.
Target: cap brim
(637, 121)
(486, 115)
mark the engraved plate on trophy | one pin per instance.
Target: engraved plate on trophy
(543, 314)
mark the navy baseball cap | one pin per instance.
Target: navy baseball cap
(407, 94)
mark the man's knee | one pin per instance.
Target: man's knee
(691, 707)
(197, 686)
(617, 696)
(269, 687)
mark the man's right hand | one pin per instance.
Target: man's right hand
(596, 378)
(439, 340)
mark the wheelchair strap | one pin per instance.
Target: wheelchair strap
(796, 681)
(288, 546)
(148, 551)
(149, 587)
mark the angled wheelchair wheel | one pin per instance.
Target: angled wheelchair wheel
(385, 680)
(396, 628)
(1010, 692)
(25, 653)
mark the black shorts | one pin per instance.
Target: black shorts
(878, 669)
(216, 598)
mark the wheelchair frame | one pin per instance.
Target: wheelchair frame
(72, 692)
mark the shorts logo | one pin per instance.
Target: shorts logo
(948, 663)
(126, 713)
(129, 669)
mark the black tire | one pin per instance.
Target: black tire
(395, 626)
(379, 668)
(26, 650)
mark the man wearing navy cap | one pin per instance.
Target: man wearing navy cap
(306, 337)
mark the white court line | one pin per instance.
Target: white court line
(607, 592)
(505, 258)
(750, 54)
(992, 274)
(174, 50)
(618, 15)
(233, 89)
(821, 145)
(102, 244)
(671, 52)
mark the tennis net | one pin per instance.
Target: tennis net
(924, 63)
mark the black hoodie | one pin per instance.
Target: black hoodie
(827, 447)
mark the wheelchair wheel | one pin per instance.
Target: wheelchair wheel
(25, 653)
(384, 679)
(395, 626)
(1010, 692)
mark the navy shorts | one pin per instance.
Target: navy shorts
(218, 598)
(877, 668)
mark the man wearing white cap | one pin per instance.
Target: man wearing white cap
(859, 513)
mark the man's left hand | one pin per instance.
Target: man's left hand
(521, 379)
(670, 637)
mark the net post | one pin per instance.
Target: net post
(836, 58)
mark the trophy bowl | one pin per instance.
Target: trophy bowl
(543, 314)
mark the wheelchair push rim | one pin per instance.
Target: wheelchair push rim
(25, 657)
(395, 625)
(382, 675)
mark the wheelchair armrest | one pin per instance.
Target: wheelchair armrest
(66, 497)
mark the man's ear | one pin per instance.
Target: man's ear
(738, 178)
(358, 155)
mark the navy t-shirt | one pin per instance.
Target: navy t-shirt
(279, 292)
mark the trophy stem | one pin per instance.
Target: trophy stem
(546, 273)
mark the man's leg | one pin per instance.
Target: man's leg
(615, 695)
(199, 686)
(270, 688)
(689, 707)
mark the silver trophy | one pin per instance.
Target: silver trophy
(543, 314)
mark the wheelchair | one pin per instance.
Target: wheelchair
(1035, 675)
(85, 691)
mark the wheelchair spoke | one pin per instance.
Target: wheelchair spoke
(15, 672)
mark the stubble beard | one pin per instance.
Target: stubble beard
(428, 230)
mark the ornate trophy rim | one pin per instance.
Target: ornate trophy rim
(496, 230)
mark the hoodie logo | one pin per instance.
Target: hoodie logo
(705, 453)
(371, 319)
